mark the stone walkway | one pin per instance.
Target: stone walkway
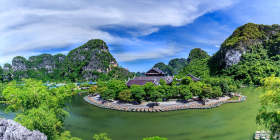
(150, 104)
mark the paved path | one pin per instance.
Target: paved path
(150, 104)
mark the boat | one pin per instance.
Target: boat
(257, 135)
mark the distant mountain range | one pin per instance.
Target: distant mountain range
(249, 54)
(90, 61)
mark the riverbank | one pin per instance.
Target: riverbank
(164, 106)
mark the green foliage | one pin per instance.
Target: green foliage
(37, 107)
(125, 94)
(155, 138)
(232, 88)
(156, 97)
(217, 92)
(244, 34)
(187, 80)
(224, 86)
(102, 136)
(137, 93)
(196, 88)
(149, 88)
(197, 53)
(173, 67)
(207, 92)
(108, 94)
(93, 89)
(198, 64)
(116, 86)
(162, 82)
(185, 94)
(269, 114)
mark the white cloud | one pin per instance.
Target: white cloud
(35, 26)
(217, 46)
(150, 52)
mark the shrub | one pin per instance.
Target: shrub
(125, 94)
(187, 80)
(92, 90)
(207, 92)
(217, 91)
(232, 88)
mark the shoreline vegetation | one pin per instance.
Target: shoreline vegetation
(97, 101)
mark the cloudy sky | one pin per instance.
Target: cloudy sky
(139, 33)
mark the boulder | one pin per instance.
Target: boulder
(11, 130)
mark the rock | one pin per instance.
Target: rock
(242, 38)
(11, 130)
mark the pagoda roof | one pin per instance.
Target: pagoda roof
(157, 70)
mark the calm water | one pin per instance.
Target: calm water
(232, 121)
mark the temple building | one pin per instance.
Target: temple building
(153, 75)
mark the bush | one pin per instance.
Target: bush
(187, 80)
(108, 94)
(92, 90)
(196, 88)
(125, 94)
(185, 94)
(207, 92)
(84, 85)
(162, 82)
(232, 88)
(224, 86)
(217, 92)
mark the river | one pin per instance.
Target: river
(230, 121)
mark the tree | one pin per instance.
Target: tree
(185, 94)
(232, 88)
(155, 138)
(269, 114)
(101, 136)
(137, 93)
(187, 80)
(224, 86)
(92, 89)
(207, 92)
(108, 94)
(149, 88)
(156, 97)
(217, 91)
(196, 88)
(37, 107)
(125, 94)
(117, 86)
(162, 82)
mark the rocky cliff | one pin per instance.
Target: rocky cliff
(11, 130)
(88, 62)
(242, 38)
(6, 72)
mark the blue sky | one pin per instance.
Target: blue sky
(138, 33)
